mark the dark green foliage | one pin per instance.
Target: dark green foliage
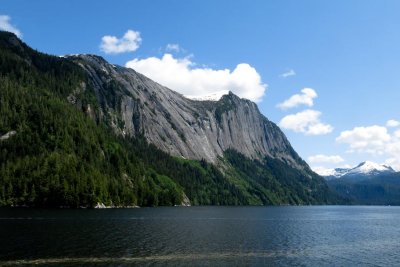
(202, 182)
(274, 182)
(383, 189)
(59, 156)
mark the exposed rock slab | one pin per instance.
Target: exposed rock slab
(136, 105)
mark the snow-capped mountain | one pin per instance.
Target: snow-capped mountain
(370, 168)
(364, 169)
(334, 173)
(368, 183)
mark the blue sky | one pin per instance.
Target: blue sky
(347, 52)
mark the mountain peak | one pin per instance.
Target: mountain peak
(368, 163)
(211, 97)
(365, 168)
(369, 167)
(11, 41)
(89, 57)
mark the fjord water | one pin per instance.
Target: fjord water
(198, 236)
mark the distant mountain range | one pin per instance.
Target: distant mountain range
(367, 183)
(366, 169)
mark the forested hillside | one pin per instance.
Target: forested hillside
(54, 152)
(380, 189)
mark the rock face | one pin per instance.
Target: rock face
(136, 105)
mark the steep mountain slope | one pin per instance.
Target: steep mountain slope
(180, 126)
(75, 131)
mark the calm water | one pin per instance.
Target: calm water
(199, 236)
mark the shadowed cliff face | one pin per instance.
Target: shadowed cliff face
(182, 127)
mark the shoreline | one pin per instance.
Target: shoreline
(98, 207)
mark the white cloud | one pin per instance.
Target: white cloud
(346, 166)
(307, 122)
(335, 159)
(128, 43)
(288, 74)
(392, 123)
(305, 98)
(5, 25)
(371, 139)
(173, 48)
(374, 140)
(396, 134)
(323, 171)
(180, 74)
(393, 151)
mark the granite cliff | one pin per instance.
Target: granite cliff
(181, 126)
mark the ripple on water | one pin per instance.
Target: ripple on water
(278, 236)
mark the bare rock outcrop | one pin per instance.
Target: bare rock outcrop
(135, 105)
